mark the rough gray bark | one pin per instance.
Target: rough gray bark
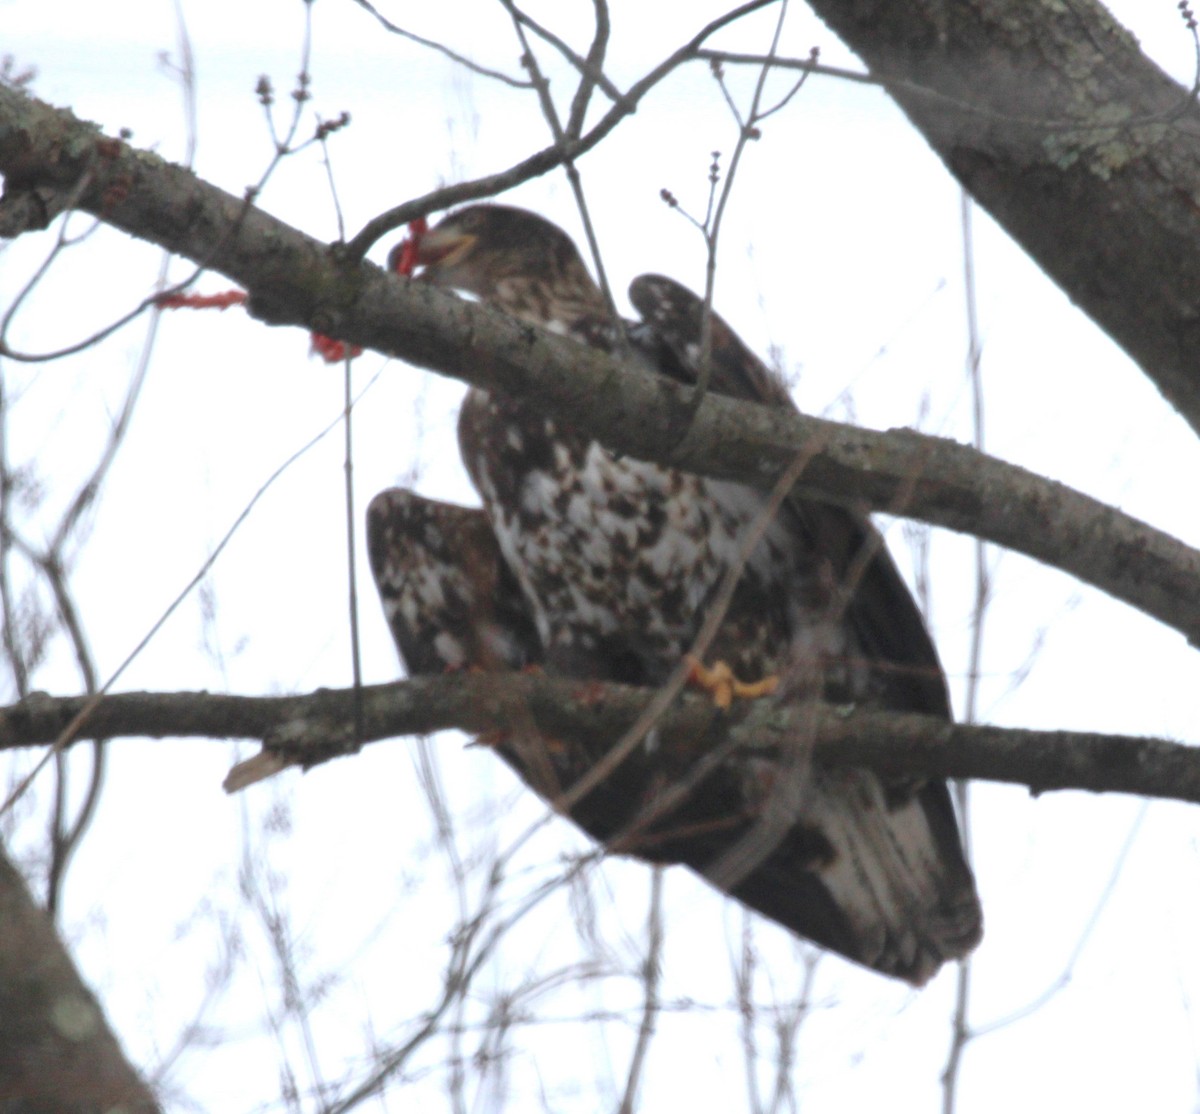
(50, 159)
(57, 1054)
(1081, 148)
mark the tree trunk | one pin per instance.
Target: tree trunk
(57, 1052)
(1076, 143)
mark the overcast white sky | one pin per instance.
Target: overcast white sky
(842, 250)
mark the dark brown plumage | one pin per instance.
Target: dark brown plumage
(605, 567)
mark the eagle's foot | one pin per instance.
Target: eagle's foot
(723, 686)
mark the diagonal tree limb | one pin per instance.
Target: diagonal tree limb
(293, 279)
(317, 726)
(57, 1052)
(1083, 150)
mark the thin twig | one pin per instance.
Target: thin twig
(787, 1031)
(747, 1010)
(1086, 123)
(78, 723)
(347, 466)
(14, 650)
(748, 128)
(651, 975)
(592, 71)
(441, 48)
(550, 114)
(549, 157)
(960, 1025)
(588, 68)
(1068, 971)
(282, 148)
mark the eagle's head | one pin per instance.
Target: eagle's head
(512, 259)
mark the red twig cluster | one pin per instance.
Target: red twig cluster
(203, 301)
(402, 260)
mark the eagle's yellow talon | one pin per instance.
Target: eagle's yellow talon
(753, 690)
(724, 687)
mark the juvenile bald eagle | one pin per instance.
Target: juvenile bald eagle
(599, 566)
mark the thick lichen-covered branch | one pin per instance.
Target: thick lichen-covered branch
(312, 728)
(1079, 146)
(295, 280)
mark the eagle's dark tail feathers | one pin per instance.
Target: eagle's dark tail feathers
(887, 886)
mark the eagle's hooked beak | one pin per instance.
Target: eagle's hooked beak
(436, 251)
(443, 247)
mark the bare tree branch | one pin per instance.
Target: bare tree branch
(549, 157)
(295, 280)
(312, 728)
(589, 68)
(441, 48)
